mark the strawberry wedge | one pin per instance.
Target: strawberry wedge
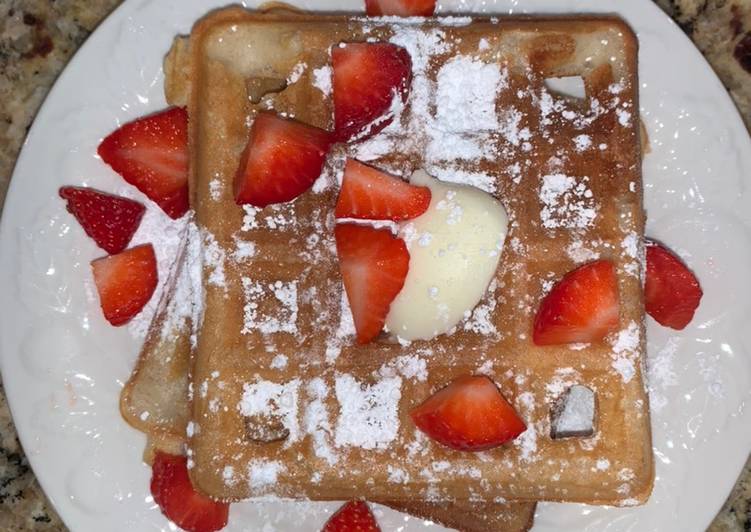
(671, 291)
(374, 264)
(370, 194)
(367, 79)
(151, 154)
(400, 8)
(469, 414)
(178, 499)
(582, 307)
(282, 159)
(110, 220)
(354, 516)
(125, 282)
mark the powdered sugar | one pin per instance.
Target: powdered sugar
(661, 373)
(165, 235)
(368, 413)
(213, 258)
(567, 202)
(271, 400)
(527, 440)
(316, 420)
(625, 345)
(466, 94)
(263, 474)
(582, 142)
(579, 253)
(215, 189)
(297, 72)
(270, 307)
(322, 79)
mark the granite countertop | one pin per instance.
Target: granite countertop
(37, 37)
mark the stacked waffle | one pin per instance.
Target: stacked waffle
(264, 383)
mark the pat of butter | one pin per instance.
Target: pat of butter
(454, 249)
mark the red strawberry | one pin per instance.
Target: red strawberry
(109, 220)
(281, 160)
(400, 8)
(151, 154)
(374, 264)
(470, 414)
(369, 194)
(355, 516)
(366, 78)
(125, 282)
(179, 501)
(671, 291)
(581, 307)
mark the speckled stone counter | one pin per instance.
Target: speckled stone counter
(37, 37)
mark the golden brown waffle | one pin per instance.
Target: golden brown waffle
(274, 358)
(155, 401)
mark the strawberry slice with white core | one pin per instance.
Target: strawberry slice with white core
(178, 499)
(370, 194)
(110, 220)
(151, 153)
(582, 307)
(282, 159)
(354, 516)
(125, 282)
(469, 414)
(671, 292)
(374, 264)
(367, 78)
(400, 8)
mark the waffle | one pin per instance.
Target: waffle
(155, 402)
(275, 322)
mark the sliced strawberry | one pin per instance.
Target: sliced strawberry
(110, 220)
(179, 501)
(671, 291)
(374, 264)
(370, 194)
(281, 160)
(366, 79)
(400, 8)
(469, 414)
(151, 154)
(125, 282)
(355, 516)
(581, 307)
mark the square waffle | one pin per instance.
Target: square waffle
(284, 402)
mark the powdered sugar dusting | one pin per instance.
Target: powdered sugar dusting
(368, 415)
(625, 345)
(579, 253)
(567, 202)
(466, 94)
(661, 373)
(263, 474)
(527, 440)
(316, 420)
(270, 307)
(322, 79)
(273, 400)
(165, 235)
(297, 72)
(213, 258)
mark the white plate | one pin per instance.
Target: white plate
(63, 366)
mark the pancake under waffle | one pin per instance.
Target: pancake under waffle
(155, 401)
(274, 317)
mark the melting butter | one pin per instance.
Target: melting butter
(454, 249)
